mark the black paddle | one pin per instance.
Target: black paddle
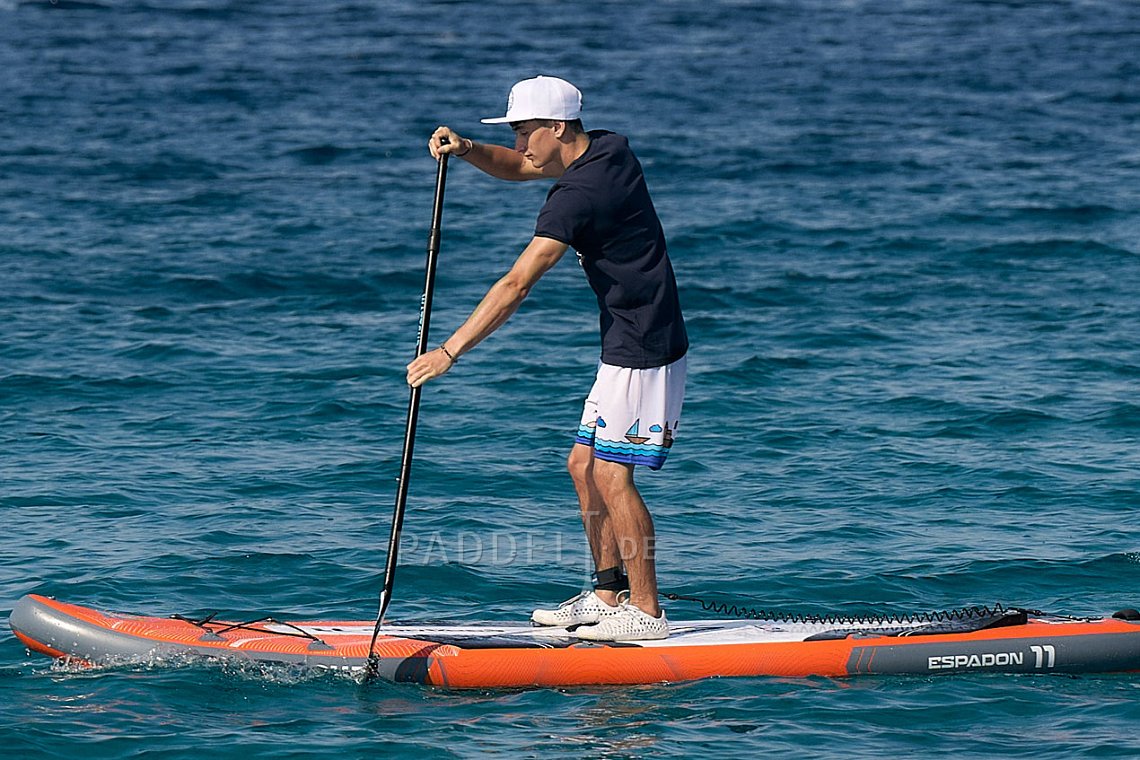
(413, 415)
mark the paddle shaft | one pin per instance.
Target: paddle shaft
(413, 401)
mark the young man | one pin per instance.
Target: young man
(601, 207)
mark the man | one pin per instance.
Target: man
(601, 207)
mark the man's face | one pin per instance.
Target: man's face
(536, 140)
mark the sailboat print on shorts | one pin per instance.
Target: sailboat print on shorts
(633, 447)
(632, 435)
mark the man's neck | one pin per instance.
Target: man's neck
(573, 150)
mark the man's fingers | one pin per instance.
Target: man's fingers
(426, 367)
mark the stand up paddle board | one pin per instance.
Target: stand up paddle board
(979, 639)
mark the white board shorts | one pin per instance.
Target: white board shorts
(631, 415)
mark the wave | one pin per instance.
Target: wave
(1011, 252)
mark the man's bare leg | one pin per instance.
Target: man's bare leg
(632, 530)
(595, 516)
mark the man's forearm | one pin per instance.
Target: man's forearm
(500, 303)
(500, 162)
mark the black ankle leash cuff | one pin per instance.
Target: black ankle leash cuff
(610, 579)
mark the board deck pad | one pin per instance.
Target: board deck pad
(511, 655)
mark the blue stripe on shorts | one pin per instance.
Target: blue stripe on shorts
(647, 454)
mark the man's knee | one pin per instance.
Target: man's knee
(580, 463)
(612, 478)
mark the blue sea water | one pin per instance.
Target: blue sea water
(906, 234)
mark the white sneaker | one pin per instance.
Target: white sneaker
(630, 624)
(587, 607)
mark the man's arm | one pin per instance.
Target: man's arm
(498, 161)
(501, 301)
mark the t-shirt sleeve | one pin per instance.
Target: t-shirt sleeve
(564, 216)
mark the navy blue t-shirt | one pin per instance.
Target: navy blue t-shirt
(600, 206)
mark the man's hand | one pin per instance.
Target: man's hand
(446, 140)
(430, 365)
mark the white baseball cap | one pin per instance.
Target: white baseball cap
(541, 98)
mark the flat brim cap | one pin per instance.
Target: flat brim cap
(541, 98)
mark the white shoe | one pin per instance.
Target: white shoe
(630, 624)
(587, 607)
